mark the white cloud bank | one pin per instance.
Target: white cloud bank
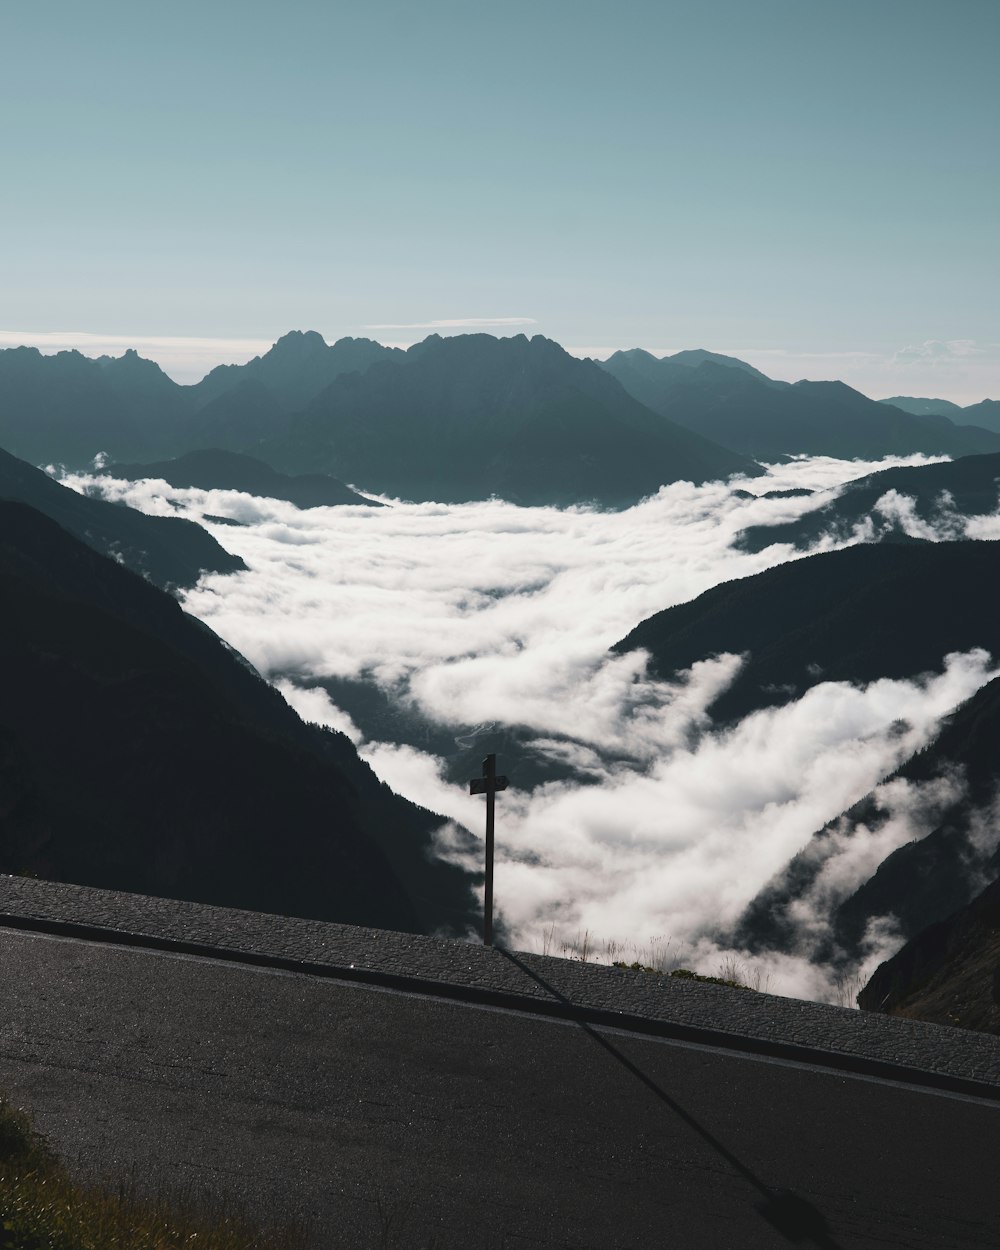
(488, 612)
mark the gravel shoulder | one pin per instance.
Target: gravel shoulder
(865, 1042)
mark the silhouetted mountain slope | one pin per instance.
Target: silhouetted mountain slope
(922, 882)
(236, 419)
(858, 614)
(295, 369)
(693, 357)
(67, 407)
(767, 420)
(985, 414)
(925, 407)
(239, 407)
(472, 416)
(227, 470)
(170, 551)
(658, 382)
(143, 385)
(143, 754)
(969, 485)
(949, 973)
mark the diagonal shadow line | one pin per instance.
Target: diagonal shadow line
(792, 1216)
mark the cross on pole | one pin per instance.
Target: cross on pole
(489, 783)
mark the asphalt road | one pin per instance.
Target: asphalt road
(396, 1120)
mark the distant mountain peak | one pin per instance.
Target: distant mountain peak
(920, 407)
(300, 342)
(691, 358)
(695, 356)
(635, 353)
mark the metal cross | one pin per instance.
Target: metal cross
(488, 784)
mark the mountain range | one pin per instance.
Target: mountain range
(738, 407)
(986, 413)
(465, 417)
(66, 407)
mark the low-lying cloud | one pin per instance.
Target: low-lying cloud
(487, 612)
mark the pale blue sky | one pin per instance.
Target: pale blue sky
(812, 185)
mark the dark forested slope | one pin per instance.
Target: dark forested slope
(138, 752)
(858, 614)
(214, 469)
(922, 881)
(968, 486)
(170, 551)
(949, 973)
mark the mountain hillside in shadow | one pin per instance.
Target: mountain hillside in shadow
(66, 408)
(949, 973)
(985, 414)
(170, 551)
(968, 486)
(468, 417)
(139, 752)
(858, 614)
(923, 881)
(213, 469)
(737, 406)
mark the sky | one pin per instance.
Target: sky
(809, 186)
(487, 612)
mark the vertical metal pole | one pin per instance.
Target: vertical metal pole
(490, 771)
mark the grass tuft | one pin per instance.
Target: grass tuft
(659, 956)
(43, 1208)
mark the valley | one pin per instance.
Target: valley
(713, 701)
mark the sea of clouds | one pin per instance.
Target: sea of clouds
(491, 613)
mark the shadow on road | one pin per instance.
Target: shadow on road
(796, 1219)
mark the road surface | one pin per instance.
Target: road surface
(399, 1120)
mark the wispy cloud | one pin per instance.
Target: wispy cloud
(940, 352)
(453, 323)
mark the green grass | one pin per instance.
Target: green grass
(43, 1208)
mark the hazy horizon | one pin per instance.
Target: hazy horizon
(811, 188)
(188, 359)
